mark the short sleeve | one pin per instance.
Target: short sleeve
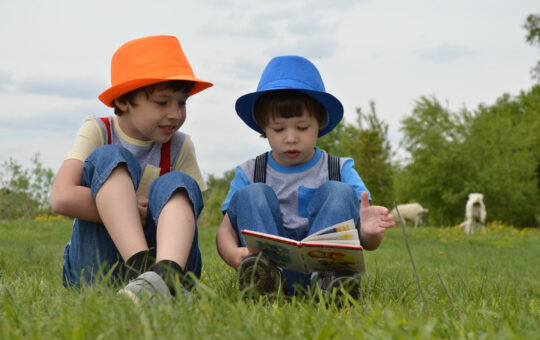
(239, 181)
(351, 177)
(88, 138)
(187, 163)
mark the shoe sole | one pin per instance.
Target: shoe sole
(265, 277)
(146, 280)
(130, 295)
(351, 285)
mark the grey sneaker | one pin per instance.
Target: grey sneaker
(340, 281)
(258, 271)
(146, 287)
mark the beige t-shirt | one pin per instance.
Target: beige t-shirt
(91, 136)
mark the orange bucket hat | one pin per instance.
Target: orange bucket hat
(147, 61)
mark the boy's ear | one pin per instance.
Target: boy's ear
(263, 133)
(121, 105)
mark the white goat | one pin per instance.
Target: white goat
(475, 214)
(411, 211)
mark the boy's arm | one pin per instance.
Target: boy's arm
(373, 223)
(227, 244)
(69, 197)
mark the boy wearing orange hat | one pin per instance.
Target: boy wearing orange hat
(296, 189)
(131, 181)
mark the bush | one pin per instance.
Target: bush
(213, 197)
(24, 192)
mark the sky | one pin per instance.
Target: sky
(55, 61)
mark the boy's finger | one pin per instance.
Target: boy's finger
(364, 203)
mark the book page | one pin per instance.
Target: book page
(333, 230)
(268, 236)
(332, 258)
(347, 237)
(333, 243)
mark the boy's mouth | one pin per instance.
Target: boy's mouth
(168, 129)
(292, 153)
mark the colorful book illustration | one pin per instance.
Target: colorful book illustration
(334, 248)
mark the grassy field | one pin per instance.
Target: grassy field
(476, 287)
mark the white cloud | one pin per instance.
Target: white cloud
(446, 53)
(312, 47)
(6, 81)
(57, 59)
(71, 87)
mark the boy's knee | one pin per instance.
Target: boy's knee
(109, 152)
(99, 165)
(256, 194)
(175, 180)
(255, 190)
(165, 186)
(335, 197)
(106, 158)
(337, 189)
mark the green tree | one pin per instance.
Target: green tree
(494, 150)
(367, 143)
(532, 25)
(435, 173)
(504, 155)
(213, 197)
(24, 191)
(332, 142)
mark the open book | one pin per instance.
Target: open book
(335, 247)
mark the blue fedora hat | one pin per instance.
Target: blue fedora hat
(291, 73)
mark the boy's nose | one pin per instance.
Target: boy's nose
(290, 137)
(176, 111)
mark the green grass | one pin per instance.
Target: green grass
(492, 280)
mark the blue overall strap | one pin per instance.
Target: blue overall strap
(259, 173)
(333, 168)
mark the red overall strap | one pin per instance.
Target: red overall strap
(165, 161)
(105, 121)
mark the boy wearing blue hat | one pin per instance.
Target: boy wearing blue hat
(296, 189)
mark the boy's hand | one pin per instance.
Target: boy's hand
(374, 222)
(240, 254)
(142, 205)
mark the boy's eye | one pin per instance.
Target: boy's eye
(303, 128)
(160, 103)
(278, 130)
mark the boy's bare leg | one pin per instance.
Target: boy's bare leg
(176, 229)
(117, 206)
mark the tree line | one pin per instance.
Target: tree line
(24, 192)
(493, 149)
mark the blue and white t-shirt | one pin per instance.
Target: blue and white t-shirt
(295, 185)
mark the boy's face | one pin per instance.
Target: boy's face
(292, 139)
(155, 118)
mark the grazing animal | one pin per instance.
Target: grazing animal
(411, 211)
(475, 214)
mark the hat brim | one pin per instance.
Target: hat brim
(109, 95)
(244, 108)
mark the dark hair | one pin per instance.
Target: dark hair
(287, 104)
(174, 85)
